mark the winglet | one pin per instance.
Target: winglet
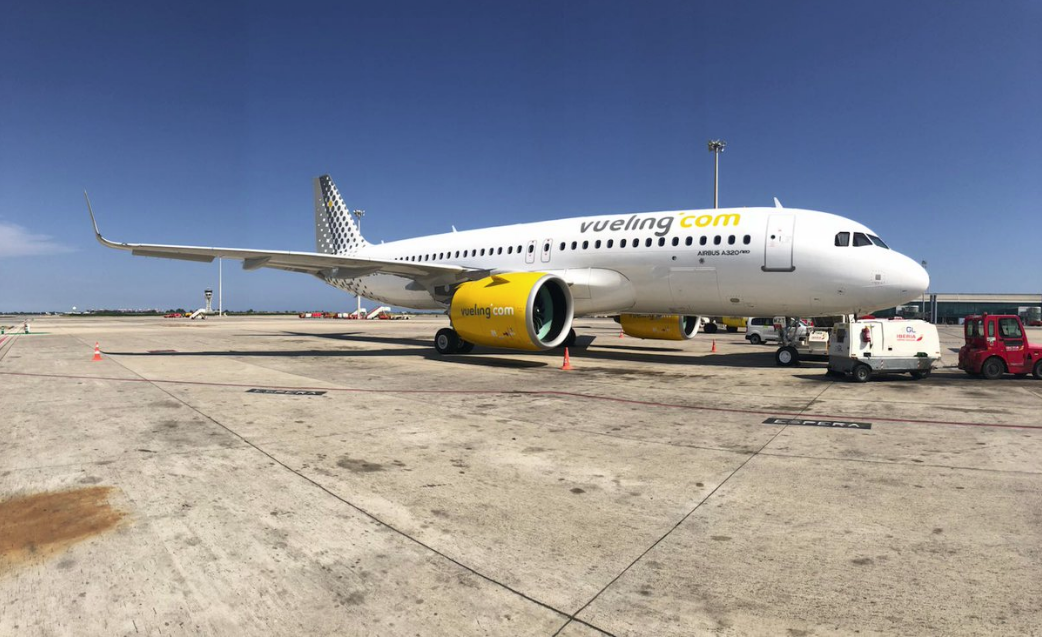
(777, 204)
(97, 233)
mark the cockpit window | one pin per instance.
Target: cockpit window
(879, 242)
(860, 239)
(842, 239)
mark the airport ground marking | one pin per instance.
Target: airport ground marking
(155, 383)
(533, 392)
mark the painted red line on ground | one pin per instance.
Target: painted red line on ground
(536, 392)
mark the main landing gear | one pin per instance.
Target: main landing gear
(447, 341)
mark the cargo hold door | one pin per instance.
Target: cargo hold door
(777, 254)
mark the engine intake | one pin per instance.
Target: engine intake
(669, 327)
(517, 310)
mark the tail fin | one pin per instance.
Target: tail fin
(335, 230)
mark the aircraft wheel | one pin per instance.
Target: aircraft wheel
(992, 368)
(464, 347)
(710, 328)
(446, 341)
(755, 339)
(1038, 370)
(787, 356)
(862, 373)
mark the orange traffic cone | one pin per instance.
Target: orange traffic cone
(567, 361)
(713, 351)
(97, 352)
(622, 333)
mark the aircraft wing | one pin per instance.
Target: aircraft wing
(317, 263)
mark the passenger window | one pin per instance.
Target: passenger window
(622, 243)
(701, 241)
(676, 241)
(716, 240)
(661, 241)
(499, 250)
(730, 240)
(562, 246)
(597, 244)
(689, 241)
(457, 254)
(574, 245)
(586, 244)
(747, 239)
(546, 247)
(531, 249)
(860, 239)
(1010, 328)
(647, 242)
(609, 243)
(842, 239)
(483, 252)
(510, 249)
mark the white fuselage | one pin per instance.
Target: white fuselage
(734, 262)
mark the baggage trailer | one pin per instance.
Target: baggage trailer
(866, 347)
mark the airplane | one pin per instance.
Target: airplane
(520, 286)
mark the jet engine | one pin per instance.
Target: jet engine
(668, 327)
(517, 310)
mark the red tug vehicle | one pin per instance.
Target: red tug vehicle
(997, 344)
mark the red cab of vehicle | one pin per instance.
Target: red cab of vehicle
(997, 344)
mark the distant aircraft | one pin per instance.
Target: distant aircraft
(520, 286)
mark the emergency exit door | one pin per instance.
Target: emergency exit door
(777, 255)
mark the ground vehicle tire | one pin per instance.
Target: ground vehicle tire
(464, 347)
(920, 374)
(755, 339)
(992, 368)
(710, 328)
(787, 356)
(732, 329)
(1038, 370)
(862, 373)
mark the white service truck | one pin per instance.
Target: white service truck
(863, 348)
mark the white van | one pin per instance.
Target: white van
(761, 330)
(862, 348)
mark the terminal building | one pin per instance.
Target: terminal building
(951, 308)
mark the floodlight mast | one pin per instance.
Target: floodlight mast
(358, 214)
(716, 146)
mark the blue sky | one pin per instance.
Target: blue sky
(203, 123)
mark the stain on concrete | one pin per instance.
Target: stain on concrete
(358, 466)
(721, 538)
(861, 561)
(38, 526)
(89, 480)
(577, 490)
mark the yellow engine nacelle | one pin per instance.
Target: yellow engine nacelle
(668, 327)
(518, 310)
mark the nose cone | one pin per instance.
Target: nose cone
(909, 278)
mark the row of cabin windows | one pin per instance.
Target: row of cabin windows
(860, 240)
(575, 245)
(610, 243)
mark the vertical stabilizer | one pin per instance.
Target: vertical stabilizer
(335, 230)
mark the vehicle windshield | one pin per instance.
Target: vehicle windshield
(879, 242)
(973, 329)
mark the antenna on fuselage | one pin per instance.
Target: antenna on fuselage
(777, 204)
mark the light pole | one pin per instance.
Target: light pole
(716, 146)
(358, 216)
(923, 263)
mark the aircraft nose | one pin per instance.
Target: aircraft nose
(911, 278)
